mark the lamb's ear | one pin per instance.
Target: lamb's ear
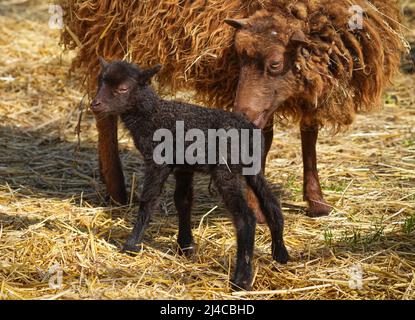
(299, 37)
(237, 23)
(151, 72)
(102, 62)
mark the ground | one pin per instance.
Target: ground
(58, 240)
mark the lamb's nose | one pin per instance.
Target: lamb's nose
(95, 104)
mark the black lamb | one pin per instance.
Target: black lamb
(124, 89)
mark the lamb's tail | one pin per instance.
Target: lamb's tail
(271, 209)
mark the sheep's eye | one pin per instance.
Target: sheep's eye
(276, 65)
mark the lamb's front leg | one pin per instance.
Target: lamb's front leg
(154, 179)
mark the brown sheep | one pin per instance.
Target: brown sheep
(306, 63)
(336, 71)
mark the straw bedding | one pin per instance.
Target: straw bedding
(51, 213)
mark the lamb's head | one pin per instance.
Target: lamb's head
(266, 44)
(119, 85)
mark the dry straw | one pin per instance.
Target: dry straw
(52, 213)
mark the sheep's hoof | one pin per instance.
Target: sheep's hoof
(117, 200)
(318, 208)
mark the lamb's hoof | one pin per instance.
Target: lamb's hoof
(131, 249)
(318, 208)
(242, 284)
(281, 255)
(187, 250)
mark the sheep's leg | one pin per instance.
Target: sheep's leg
(250, 196)
(230, 188)
(183, 199)
(154, 179)
(109, 160)
(317, 206)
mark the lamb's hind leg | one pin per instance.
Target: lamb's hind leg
(230, 188)
(317, 206)
(154, 179)
(183, 199)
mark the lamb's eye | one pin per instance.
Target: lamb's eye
(123, 89)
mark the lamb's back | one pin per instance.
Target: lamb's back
(198, 117)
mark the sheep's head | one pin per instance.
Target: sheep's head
(266, 44)
(119, 84)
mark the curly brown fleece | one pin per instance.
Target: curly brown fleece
(196, 48)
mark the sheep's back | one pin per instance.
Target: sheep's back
(196, 48)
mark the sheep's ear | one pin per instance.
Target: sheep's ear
(237, 23)
(299, 37)
(102, 62)
(151, 72)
